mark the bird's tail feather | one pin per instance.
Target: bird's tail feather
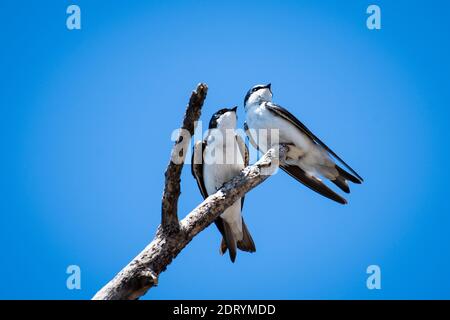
(246, 244)
(312, 182)
(343, 177)
(347, 176)
(341, 183)
(228, 242)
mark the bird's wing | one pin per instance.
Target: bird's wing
(282, 112)
(243, 149)
(250, 138)
(312, 182)
(197, 166)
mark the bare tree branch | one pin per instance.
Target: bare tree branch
(169, 208)
(171, 236)
(142, 273)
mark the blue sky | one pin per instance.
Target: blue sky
(86, 119)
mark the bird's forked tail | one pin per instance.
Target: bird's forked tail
(229, 241)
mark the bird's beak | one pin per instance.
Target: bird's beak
(234, 109)
(269, 86)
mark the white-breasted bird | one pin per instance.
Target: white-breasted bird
(216, 160)
(308, 158)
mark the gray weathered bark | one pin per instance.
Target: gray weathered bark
(172, 236)
(169, 208)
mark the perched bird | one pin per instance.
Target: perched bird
(216, 160)
(308, 157)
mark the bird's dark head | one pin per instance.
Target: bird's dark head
(258, 94)
(224, 119)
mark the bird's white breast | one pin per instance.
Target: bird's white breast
(259, 117)
(219, 169)
(216, 174)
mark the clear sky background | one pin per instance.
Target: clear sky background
(86, 118)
